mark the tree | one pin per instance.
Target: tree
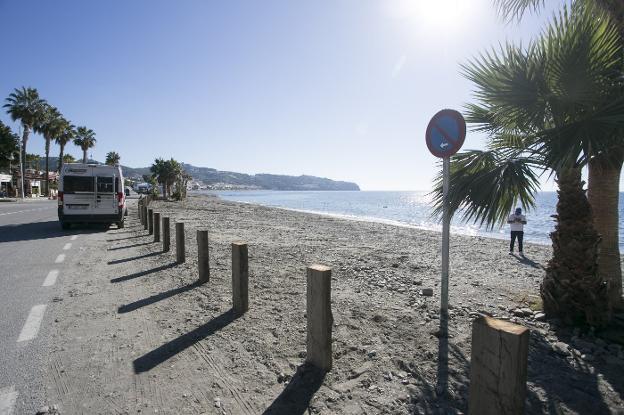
(67, 135)
(9, 145)
(85, 139)
(26, 106)
(551, 107)
(51, 126)
(68, 158)
(167, 172)
(112, 158)
(572, 288)
(604, 167)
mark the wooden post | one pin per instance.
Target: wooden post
(150, 221)
(320, 319)
(498, 367)
(203, 264)
(140, 209)
(156, 226)
(180, 251)
(145, 217)
(240, 278)
(166, 233)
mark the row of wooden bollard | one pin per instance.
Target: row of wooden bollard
(499, 356)
(318, 296)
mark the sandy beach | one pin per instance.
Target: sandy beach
(177, 349)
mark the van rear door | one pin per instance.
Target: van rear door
(105, 196)
(78, 189)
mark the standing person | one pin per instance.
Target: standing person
(516, 222)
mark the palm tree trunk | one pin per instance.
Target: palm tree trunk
(61, 154)
(84, 155)
(603, 194)
(573, 289)
(47, 156)
(24, 141)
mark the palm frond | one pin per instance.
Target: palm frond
(515, 9)
(485, 186)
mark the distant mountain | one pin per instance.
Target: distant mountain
(217, 179)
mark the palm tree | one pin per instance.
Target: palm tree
(85, 139)
(68, 158)
(67, 135)
(9, 145)
(551, 107)
(51, 126)
(26, 106)
(604, 167)
(166, 172)
(112, 158)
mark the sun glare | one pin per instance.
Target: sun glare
(439, 17)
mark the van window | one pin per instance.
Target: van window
(117, 188)
(72, 184)
(105, 184)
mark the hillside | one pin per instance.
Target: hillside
(221, 179)
(266, 181)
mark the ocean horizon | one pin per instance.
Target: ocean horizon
(401, 208)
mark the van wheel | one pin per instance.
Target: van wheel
(121, 224)
(64, 226)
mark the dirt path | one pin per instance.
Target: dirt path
(138, 334)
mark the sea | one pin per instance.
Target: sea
(406, 208)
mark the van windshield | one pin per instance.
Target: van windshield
(72, 184)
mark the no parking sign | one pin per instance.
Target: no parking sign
(445, 135)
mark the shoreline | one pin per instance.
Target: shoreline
(372, 219)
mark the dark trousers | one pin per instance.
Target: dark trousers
(514, 235)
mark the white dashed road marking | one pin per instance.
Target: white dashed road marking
(33, 323)
(59, 259)
(8, 397)
(67, 247)
(51, 278)
(73, 238)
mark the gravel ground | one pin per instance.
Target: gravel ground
(138, 334)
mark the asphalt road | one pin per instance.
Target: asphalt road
(31, 245)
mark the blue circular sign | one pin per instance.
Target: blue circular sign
(446, 133)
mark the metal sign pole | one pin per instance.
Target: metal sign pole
(446, 169)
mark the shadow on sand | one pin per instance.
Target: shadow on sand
(524, 260)
(143, 273)
(161, 354)
(130, 246)
(129, 237)
(121, 261)
(295, 398)
(158, 297)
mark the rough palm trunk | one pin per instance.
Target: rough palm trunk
(47, 164)
(84, 155)
(61, 154)
(604, 193)
(573, 289)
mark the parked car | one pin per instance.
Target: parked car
(91, 193)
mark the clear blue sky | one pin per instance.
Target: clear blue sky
(336, 88)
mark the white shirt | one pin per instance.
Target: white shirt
(516, 226)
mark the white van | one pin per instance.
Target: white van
(91, 193)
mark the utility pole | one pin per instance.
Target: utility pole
(21, 165)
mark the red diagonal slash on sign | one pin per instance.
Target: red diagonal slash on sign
(445, 134)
